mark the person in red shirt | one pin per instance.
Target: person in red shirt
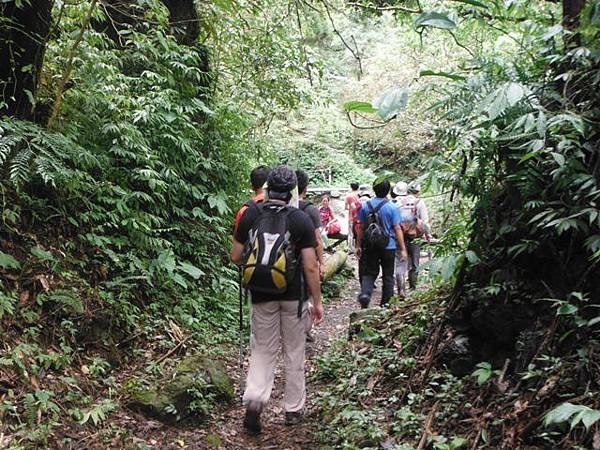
(258, 178)
(352, 206)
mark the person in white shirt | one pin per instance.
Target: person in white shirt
(414, 249)
(400, 194)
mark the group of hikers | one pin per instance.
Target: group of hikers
(278, 245)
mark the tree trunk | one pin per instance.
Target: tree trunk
(334, 263)
(183, 17)
(23, 34)
(571, 10)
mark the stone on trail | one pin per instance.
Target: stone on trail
(168, 400)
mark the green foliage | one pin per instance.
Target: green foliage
(367, 398)
(98, 413)
(359, 106)
(519, 150)
(443, 443)
(483, 373)
(433, 73)
(8, 262)
(387, 105)
(574, 414)
(120, 214)
(7, 303)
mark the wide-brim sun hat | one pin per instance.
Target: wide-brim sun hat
(401, 188)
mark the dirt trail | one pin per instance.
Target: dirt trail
(275, 434)
(224, 430)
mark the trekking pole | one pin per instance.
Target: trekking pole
(241, 316)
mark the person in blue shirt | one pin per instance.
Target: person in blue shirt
(371, 260)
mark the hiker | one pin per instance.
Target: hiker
(258, 179)
(352, 205)
(400, 194)
(363, 194)
(273, 236)
(413, 246)
(379, 236)
(328, 220)
(312, 212)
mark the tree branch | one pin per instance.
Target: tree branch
(355, 54)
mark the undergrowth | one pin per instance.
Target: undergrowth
(389, 386)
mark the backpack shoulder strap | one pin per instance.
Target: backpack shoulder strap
(252, 204)
(378, 207)
(304, 204)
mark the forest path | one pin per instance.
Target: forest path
(223, 430)
(275, 434)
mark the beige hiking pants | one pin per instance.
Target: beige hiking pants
(273, 322)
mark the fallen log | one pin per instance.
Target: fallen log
(334, 263)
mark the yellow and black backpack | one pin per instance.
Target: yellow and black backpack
(270, 261)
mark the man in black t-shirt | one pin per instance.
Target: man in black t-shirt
(313, 213)
(276, 317)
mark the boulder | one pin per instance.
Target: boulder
(169, 400)
(457, 356)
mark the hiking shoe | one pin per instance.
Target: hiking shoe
(294, 417)
(364, 300)
(252, 418)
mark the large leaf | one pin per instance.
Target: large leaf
(566, 310)
(191, 270)
(354, 105)
(8, 262)
(431, 73)
(391, 102)
(561, 413)
(504, 97)
(579, 413)
(218, 202)
(434, 19)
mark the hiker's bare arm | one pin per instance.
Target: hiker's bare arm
(311, 273)
(319, 251)
(236, 252)
(359, 236)
(400, 241)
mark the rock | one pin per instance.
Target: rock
(457, 356)
(169, 400)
